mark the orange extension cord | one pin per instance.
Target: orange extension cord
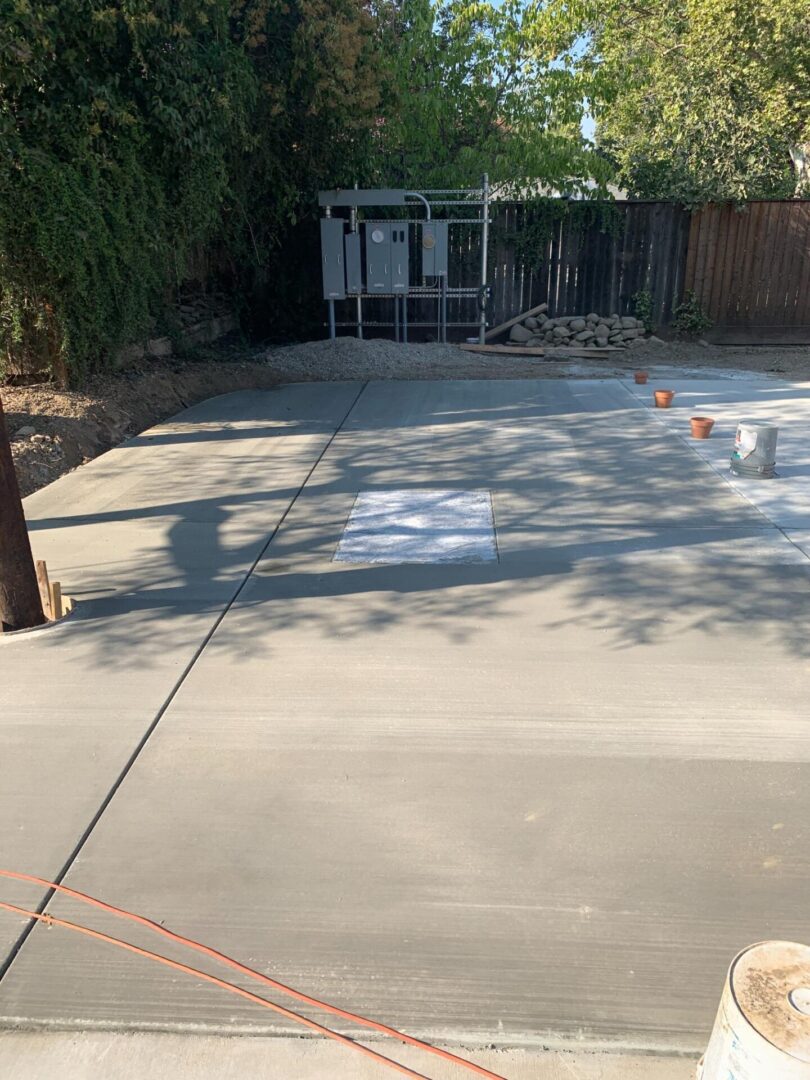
(221, 957)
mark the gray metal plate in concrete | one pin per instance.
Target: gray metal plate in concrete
(545, 797)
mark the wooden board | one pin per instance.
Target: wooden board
(518, 318)
(531, 350)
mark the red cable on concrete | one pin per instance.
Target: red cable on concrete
(236, 965)
(51, 920)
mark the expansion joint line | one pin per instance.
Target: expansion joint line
(59, 878)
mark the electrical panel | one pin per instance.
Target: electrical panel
(334, 275)
(378, 256)
(434, 248)
(354, 263)
(399, 258)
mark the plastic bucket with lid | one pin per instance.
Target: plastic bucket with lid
(762, 1030)
(754, 451)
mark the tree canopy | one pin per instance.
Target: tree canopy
(699, 100)
(477, 86)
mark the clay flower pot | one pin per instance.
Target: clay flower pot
(640, 377)
(701, 426)
(663, 398)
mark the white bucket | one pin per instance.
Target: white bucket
(762, 1030)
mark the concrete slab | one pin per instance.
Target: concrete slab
(97, 1056)
(152, 539)
(511, 802)
(785, 500)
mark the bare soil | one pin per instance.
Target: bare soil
(54, 431)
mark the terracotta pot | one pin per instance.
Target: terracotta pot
(701, 426)
(640, 377)
(663, 398)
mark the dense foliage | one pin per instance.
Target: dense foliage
(700, 100)
(481, 86)
(133, 132)
(115, 126)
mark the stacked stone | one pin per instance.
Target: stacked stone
(580, 331)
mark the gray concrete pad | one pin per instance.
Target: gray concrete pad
(152, 539)
(514, 802)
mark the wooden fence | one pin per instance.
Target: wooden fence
(641, 246)
(749, 268)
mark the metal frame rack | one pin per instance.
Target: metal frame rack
(343, 270)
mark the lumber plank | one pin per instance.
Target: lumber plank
(518, 318)
(531, 350)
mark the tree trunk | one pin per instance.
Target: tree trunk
(20, 603)
(800, 155)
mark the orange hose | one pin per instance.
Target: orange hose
(51, 920)
(375, 1025)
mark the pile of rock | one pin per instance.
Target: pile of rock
(580, 331)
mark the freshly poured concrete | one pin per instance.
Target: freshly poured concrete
(513, 802)
(152, 539)
(91, 1055)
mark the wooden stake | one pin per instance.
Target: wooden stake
(56, 600)
(44, 587)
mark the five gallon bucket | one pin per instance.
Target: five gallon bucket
(754, 453)
(762, 1030)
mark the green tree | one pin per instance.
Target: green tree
(700, 100)
(319, 77)
(138, 132)
(116, 123)
(475, 86)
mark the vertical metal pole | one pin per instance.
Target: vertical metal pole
(443, 336)
(354, 227)
(405, 318)
(331, 318)
(396, 317)
(327, 212)
(482, 328)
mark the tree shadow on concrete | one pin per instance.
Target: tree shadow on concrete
(587, 488)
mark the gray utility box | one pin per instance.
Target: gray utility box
(386, 257)
(399, 258)
(434, 248)
(378, 257)
(354, 263)
(334, 273)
